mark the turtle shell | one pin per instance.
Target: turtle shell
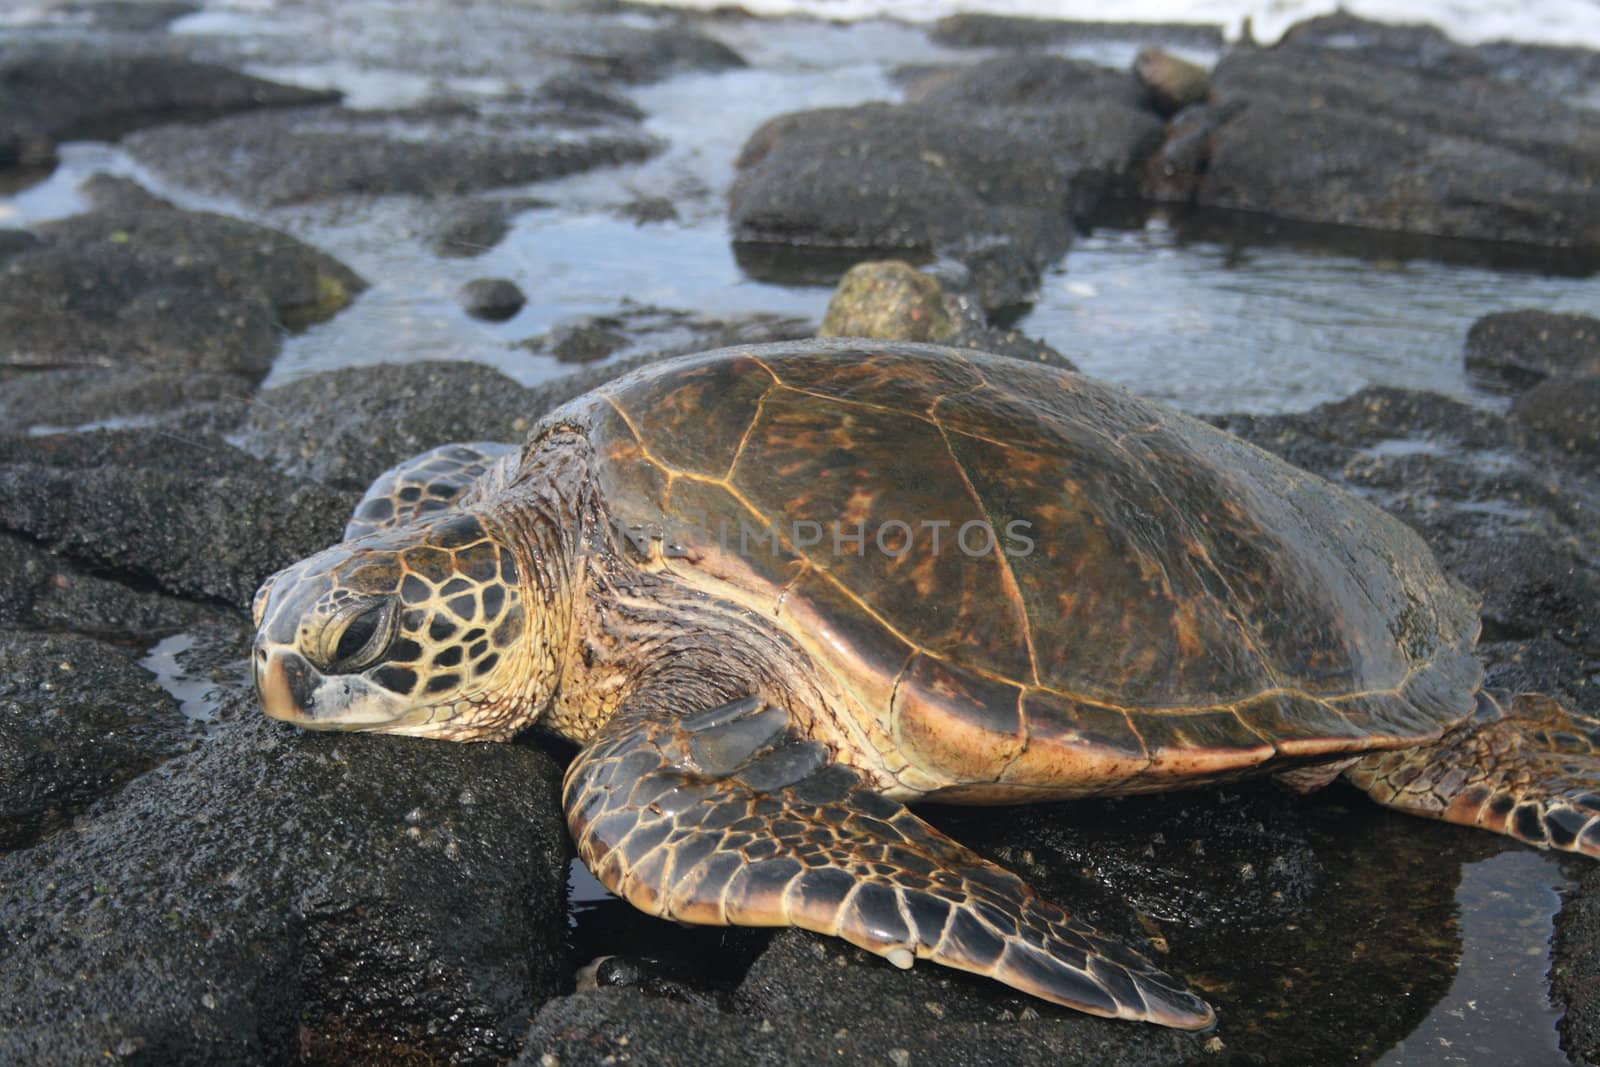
(1028, 582)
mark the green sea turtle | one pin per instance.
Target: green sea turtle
(777, 593)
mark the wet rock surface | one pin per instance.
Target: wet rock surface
(1575, 977)
(1355, 136)
(1051, 84)
(975, 30)
(137, 307)
(1096, 121)
(586, 339)
(919, 179)
(1560, 72)
(346, 427)
(77, 719)
(51, 92)
(291, 157)
(357, 898)
(103, 304)
(925, 185)
(47, 400)
(193, 515)
(301, 284)
(1518, 349)
(890, 300)
(43, 591)
(473, 227)
(14, 241)
(491, 299)
(636, 54)
(832, 1019)
(1565, 412)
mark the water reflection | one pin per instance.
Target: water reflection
(1498, 1008)
(1229, 321)
(186, 666)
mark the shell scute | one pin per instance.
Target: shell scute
(828, 622)
(952, 722)
(857, 483)
(1300, 724)
(1073, 741)
(898, 380)
(1189, 606)
(1197, 745)
(1111, 567)
(698, 417)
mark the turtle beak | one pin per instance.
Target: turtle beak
(286, 684)
(292, 690)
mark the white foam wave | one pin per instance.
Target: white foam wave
(1564, 22)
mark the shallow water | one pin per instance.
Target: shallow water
(1497, 1009)
(193, 694)
(1210, 323)
(1215, 327)
(199, 690)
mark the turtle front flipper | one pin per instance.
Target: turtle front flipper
(1523, 766)
(725, 817)
(433, 481)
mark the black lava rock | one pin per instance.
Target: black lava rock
(320, 897)
(1322, 135)
(193, 515)
(53, 92)
(42, 591)
(77, 719)
(289, 157)
(472, 227)
(346, 427)
(491, 299)
(137, 308)
(1566, 412)
(907, 181)
(1519, 349)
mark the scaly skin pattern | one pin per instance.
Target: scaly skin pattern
(450, 592)
(1524, 766)
(724, 817)
(437, 480)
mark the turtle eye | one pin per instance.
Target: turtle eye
(367, 635)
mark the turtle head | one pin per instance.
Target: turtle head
(421, 629)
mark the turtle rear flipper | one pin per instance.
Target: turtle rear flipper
(726, 817)
(1523, 766)
(433, 481)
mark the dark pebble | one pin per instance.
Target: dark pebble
(491, 299)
